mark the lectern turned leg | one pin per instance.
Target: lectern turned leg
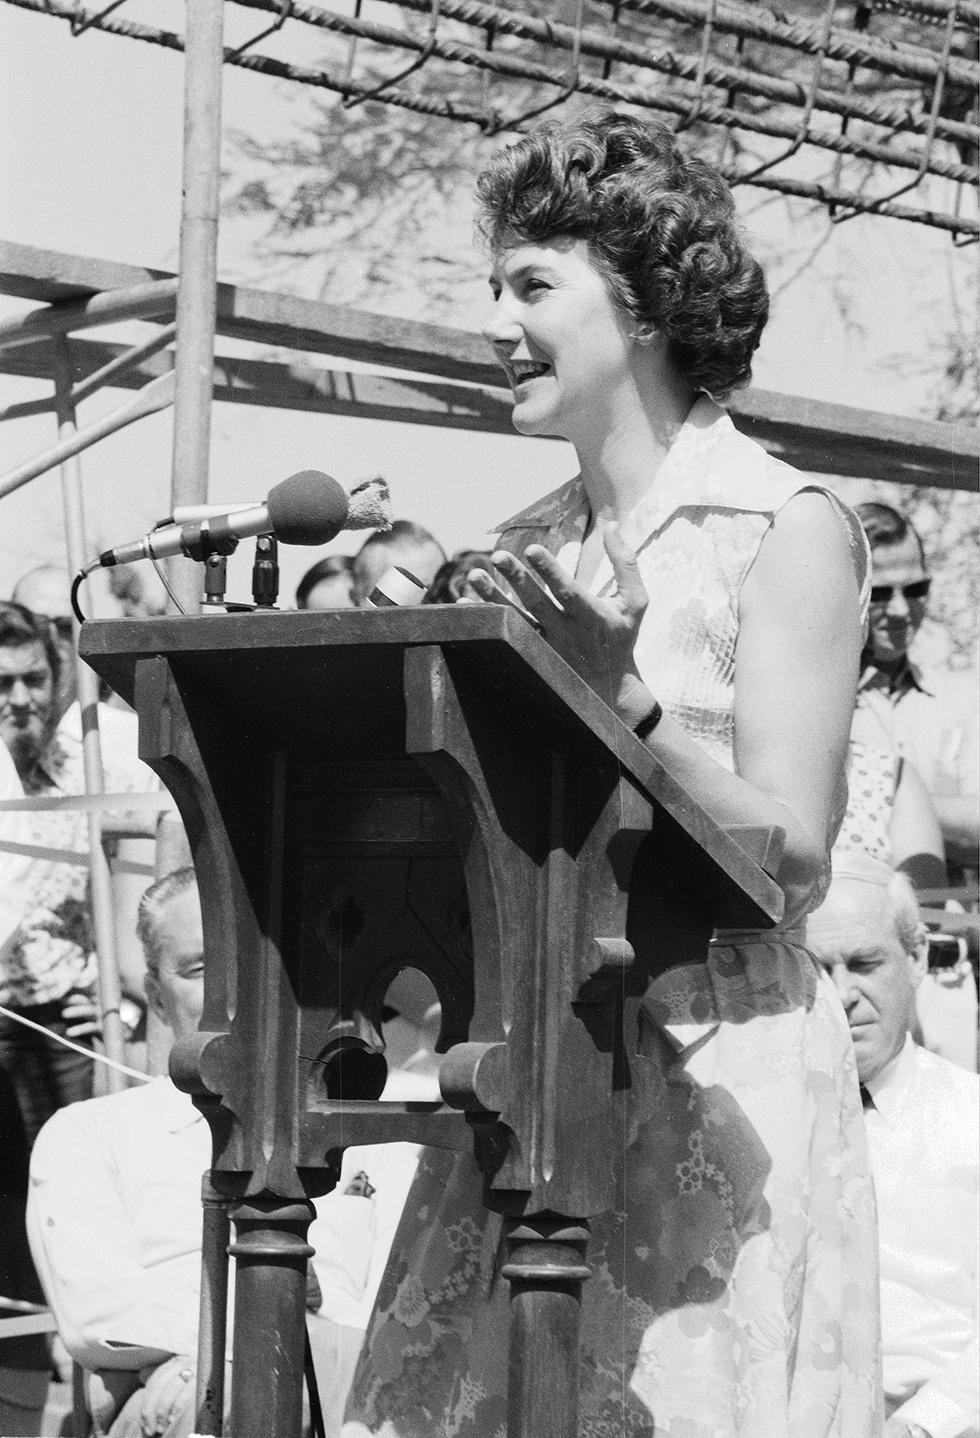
(546, 1269)
(271, 1254)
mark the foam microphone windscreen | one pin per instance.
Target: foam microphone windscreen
(369, 505)
(307, 508)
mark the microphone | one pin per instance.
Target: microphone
(396, 587)
(307, 508)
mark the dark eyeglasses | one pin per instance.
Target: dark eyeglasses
(916, 589)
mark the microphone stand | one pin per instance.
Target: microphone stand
(265, 572)
(215, 581)
(265, 578)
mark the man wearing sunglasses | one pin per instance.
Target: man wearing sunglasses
(931, 718)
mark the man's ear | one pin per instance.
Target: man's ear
(919, 957)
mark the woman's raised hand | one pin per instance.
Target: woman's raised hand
(594, 635)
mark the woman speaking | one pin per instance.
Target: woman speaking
(714, 598)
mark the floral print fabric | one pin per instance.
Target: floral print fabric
(872, 779)
(52, 952)
(734, 1288)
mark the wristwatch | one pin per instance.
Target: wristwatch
(130, 1015)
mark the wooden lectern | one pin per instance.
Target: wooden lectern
(366, 790)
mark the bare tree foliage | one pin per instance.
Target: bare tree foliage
(368, 205)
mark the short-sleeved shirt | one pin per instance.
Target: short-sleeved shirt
(931, 717)
(52, 952)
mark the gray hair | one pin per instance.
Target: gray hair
(905, 911)
(152, 904)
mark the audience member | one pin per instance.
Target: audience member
(931, 718)
(890, 815)
(921, 1115)
(114, 1218)
(47, 963)
(45, 592)
(328, 584)
(406, 544)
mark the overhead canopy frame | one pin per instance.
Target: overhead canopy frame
(860, 105)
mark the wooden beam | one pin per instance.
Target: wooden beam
(46, 276)
(266, 317)
(813, 436)
(838, 439)
(822, 438)
(296, 386)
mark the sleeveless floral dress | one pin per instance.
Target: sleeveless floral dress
(734, 1290)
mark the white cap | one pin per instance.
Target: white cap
(862, 867)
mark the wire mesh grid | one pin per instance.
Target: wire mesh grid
(864, 106)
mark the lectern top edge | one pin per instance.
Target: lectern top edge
(491, 635)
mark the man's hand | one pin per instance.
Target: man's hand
(168, 1389)
(595, 636)
(81, 1013)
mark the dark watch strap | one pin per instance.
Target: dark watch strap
(649, 722)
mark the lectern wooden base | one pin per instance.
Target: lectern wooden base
(369, 790)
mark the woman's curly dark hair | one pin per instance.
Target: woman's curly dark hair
(660, 226)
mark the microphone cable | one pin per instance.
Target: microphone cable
(90, 568)
(165, 582)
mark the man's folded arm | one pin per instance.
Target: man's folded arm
(113, 1309)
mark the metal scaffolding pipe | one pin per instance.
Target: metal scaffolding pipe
(158, 394)
(123, 362)
(88, 698)
(109, 307)
(197, 294)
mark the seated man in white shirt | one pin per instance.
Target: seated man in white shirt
(921, 1115)
(114, 1219)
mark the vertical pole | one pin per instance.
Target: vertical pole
(214, 1311)
(88, 699)
(197, 293)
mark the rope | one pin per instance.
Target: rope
(78, 1048)
(87, 803)
(71, 856)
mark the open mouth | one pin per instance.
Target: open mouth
(520, 371)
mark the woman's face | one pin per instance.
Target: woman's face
(560, 338)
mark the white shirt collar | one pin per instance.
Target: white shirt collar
(177, 1109)
(889, 1087)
